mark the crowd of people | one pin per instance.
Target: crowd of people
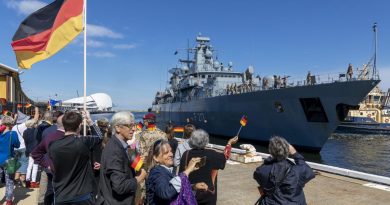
(124, 162)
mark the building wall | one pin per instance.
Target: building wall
(3, 86)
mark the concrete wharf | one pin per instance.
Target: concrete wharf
(236, 186)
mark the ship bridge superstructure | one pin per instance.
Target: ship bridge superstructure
(204, 76)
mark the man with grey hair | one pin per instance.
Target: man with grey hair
(118, 182)
(281, 180)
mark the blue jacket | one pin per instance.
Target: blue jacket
(5, 150)
(158, 189)
(283, 181)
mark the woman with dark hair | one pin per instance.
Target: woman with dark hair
(169, 130)
(281, 181)
(162, 186)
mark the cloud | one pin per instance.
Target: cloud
(101, 31)
(125, 46)
(102, 54)
(25, 6)
(94, 43)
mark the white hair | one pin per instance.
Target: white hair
(199, 139)
(122, 118)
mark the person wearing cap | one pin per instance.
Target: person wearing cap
(146, 139)
(19, 128)
(8, 142)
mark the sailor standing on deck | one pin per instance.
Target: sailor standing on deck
(308, 79)
(349, 72)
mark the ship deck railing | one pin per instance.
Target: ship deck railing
(291, 82)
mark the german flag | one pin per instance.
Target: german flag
(243, 121)
(28, 105)
(137, 163)
(19, 105)
(46, 31)
(178, 129)
(140, 126)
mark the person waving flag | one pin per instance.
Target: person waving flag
(46, 31)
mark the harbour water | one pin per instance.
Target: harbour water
(365, 153)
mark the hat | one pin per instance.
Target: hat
(21, 118)
(149, 116)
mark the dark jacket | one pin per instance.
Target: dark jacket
(41, 127)
(29, 140)
(73, 178)
(39, 153)
(117, 182)
(283, 181)
(158, 189)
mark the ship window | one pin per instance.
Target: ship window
(278, 107)
(209, 76)
(313, 109)
(202, 76)
(361, 113)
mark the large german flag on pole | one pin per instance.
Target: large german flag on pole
(46, 31)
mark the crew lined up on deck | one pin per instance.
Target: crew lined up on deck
(122, 162)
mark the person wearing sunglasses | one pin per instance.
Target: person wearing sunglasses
(118, 180)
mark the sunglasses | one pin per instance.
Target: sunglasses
(132, 125)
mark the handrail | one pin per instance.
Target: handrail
(324, 168)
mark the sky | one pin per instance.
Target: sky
(131, 44)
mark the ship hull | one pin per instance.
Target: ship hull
(221, 115)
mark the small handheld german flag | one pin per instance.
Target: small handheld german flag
(140, 126)
(19, 105)
(28, 105)
(137, 163)
(243, 121)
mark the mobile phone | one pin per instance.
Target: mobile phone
(202, 162)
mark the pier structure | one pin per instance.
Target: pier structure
(11, 92)
(331, 185)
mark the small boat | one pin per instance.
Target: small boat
(363, 125)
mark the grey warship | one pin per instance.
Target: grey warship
(214, 97)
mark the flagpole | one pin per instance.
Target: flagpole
(85, 65)
(239, 131)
